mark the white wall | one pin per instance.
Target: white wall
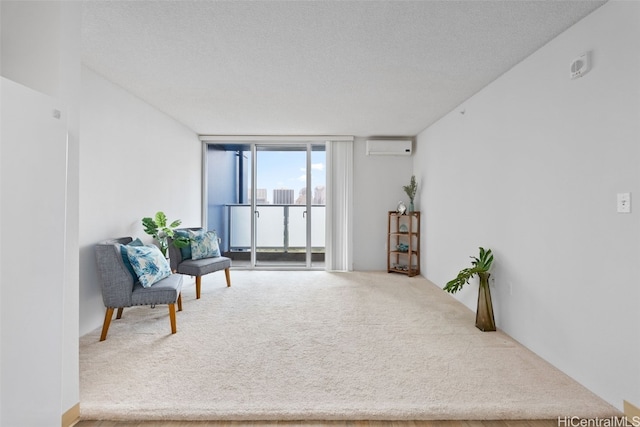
(134, 161)
(531, 170)
(33, 232)
(41, 50)
(377, 189)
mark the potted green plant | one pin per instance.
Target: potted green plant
(411, 191)
(480, 266)
(158, 228)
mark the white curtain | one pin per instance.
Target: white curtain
(339, 245)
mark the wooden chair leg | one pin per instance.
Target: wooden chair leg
(172, 317)
(198, 284)
(180, 302)
(227, 274)
(119, 314)
(107, 321)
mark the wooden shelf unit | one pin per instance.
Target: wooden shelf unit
(403, 261)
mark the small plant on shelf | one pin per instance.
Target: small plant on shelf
(411, 191)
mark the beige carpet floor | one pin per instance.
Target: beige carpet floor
(318, 346)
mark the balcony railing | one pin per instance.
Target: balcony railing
(278, 228)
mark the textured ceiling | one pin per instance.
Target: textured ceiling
(359, 68)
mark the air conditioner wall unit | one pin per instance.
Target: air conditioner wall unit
(389, 147)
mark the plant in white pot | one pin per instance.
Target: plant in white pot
(480, 266)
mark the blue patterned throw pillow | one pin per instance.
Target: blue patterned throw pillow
(186, 251)
(148, 263)
(125, 256)
(204, 244)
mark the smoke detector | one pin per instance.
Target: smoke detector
(580, 66)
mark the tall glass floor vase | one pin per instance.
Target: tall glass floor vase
(484, 312)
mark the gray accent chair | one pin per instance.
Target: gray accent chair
(121, 289)
(198, 267)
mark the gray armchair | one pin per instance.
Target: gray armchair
(199, 267)
(120, 288)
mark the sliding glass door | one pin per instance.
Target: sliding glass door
(289, 194)
(269, 200)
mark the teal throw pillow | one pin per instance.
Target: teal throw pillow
(125, 257)
(204, 244)
(148, 263)
(186, 251)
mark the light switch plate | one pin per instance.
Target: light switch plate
(624, 202)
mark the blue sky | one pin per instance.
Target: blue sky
(287, 169)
